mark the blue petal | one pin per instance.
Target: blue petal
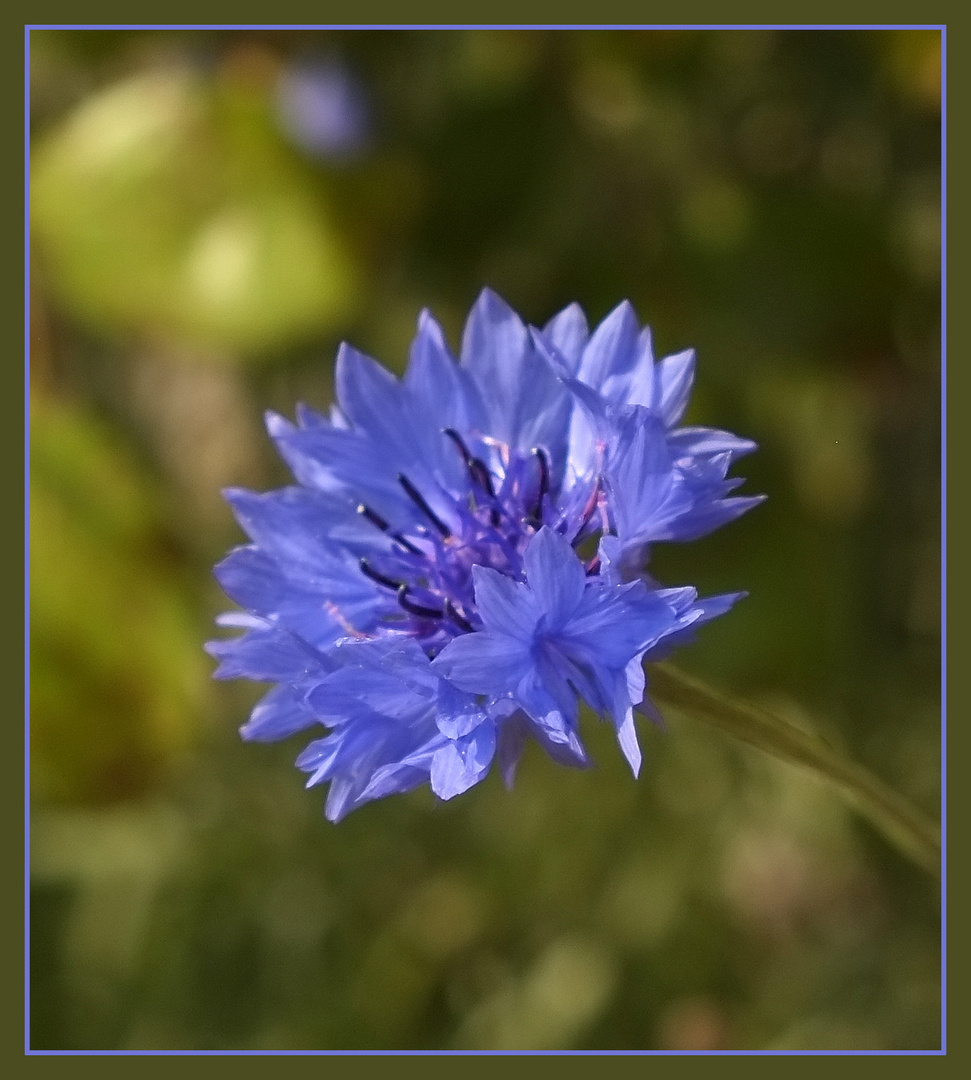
(545, 711)
(252, 579)
(295, 523)
(460, 764)
(568, 333)
(615, 623)
(627, 739)
(527, 404)
(405, 420)
(442, 393)
(319, 608)
(494, 349)
(369, 395)
(266, 656)
(612, 348)
(675, 376)
(483, 662)
(694, 441)
(504, 606)
(458, 713)
(391, 678)
(560, 680)
(341, 796)
(400, 655)
(307, 417)
(703, 519)
(639, 385)
(278, 714)
(354, 755)
(397, 777)
(570, 752)
(691, 618)
(640, 476)
(353, 694)
(319, 756)
(335, 460)
(555, 576)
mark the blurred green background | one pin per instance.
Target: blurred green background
(212, 212)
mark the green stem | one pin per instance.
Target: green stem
(915, 835)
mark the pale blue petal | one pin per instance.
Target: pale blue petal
(317, 607)
(640, 476)
(369, 395)
(696, 522)
(442, 393)
(396, 778)
(294, 523)
(615, 623)
(494, 347)
(457, 712)
(675, 376)
(555, 576)
(544, 710)
(611, 346)
(505, 606)
(568, 333)
(266, 656)
(483, 662)
(527, 404)
(634, 379)
(460, 764)
(695, 441)
(278, 714)
(627, 739)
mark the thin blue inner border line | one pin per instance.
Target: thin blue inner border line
(485, 26)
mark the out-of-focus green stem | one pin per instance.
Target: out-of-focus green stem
(915, 835)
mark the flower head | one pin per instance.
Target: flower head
(460, 562)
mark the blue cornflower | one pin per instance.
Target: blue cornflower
(461, 560)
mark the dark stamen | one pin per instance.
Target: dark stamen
(416, 497)
(416, 609)
(593, 567)
(457, 616)
(481, 475)
(457, 439)
(375, 519)
(368, 571)
(544, 481)
(407, 544)
(478, 471)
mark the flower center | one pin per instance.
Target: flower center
(428, 571)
